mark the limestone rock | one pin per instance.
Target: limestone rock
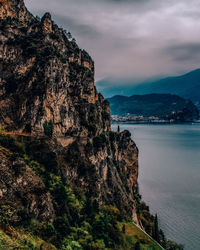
(45, 77)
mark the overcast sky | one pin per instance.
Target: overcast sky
(131, 38)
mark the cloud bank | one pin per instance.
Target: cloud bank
(131, 38)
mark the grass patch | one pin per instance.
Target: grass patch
(18, 239)
(135, 235)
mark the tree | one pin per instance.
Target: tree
(73, 40)
(48, 128)
(156, 230)
(38, 18)
(124, 229)
(118, 129)
(69, 36)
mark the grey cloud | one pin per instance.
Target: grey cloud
(78, 28)
(131, 38)
(184, 52)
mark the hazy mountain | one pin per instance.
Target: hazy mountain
(187, 86)
(163, 106)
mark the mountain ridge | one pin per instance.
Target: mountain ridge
(165, 107)
(187, 86)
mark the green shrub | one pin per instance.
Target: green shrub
(27, 244)
(70, 245)
(7, 215)
(3, 241)
(48, 128)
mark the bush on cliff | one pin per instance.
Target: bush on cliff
(48, 128)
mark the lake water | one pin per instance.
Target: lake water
(169, 177)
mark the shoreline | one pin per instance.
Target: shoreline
(156, 122)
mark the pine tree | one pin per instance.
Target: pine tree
(156, 230)
(124, 229)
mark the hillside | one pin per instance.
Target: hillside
(66, 180)
(186, 86)
(162, 106)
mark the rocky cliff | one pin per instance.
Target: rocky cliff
(45, 76)
(46, 80)
(65, 176)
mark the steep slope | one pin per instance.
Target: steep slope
(163, 106)
(46, 77)
(65, 176)
(47, 83)
(47, 89)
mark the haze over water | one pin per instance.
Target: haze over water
(169, 177)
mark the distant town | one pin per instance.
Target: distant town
(142, 119)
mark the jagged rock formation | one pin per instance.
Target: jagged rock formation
(44, 77)
(14, 9)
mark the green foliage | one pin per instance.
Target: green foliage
(7, 215)
(171, 245)
(105, 226)
(97, 245)
(27, 244)
(3, 241)
(35, 166)
(79, 222)
(57, 188)
(48, 128)
(68, 244)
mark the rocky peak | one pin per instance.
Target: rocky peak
(47, 23)
(13, 9)
(46, 77)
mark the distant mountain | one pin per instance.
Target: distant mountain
(186, 86)
(163, 106)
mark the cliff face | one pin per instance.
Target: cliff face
(46, 79)
(22, 190)
(14, 9)
(108, 164)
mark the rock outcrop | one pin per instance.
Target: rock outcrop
(107, 167)
(14, 9)
(22, 190)
(46, 80)
(45, 76)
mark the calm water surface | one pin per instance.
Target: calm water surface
(169, 177)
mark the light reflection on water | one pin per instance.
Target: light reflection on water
(169, 177)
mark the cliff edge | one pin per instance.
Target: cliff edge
(65, 176)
